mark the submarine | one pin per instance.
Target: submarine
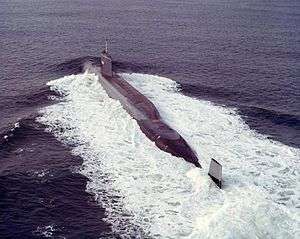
(148, 118)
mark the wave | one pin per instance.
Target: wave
(10, 134)
(161, 195)
(126, 66)
(79, 65)
(274, 116)
(37, 97)
(277, 118)
(74, 66)
(5, 135)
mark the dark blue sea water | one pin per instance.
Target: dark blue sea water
(241, 55)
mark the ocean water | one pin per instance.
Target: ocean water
(224, 74)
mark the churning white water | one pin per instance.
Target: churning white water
(149, 193)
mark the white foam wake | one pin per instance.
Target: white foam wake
(149, 193)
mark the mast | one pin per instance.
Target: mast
(106, 48)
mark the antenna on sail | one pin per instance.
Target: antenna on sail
(106, 48)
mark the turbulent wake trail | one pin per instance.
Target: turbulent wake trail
(163, 196)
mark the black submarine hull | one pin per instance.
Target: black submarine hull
(147, 116)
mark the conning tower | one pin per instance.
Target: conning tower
(106, 62)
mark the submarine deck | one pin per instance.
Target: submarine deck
(147, 117)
